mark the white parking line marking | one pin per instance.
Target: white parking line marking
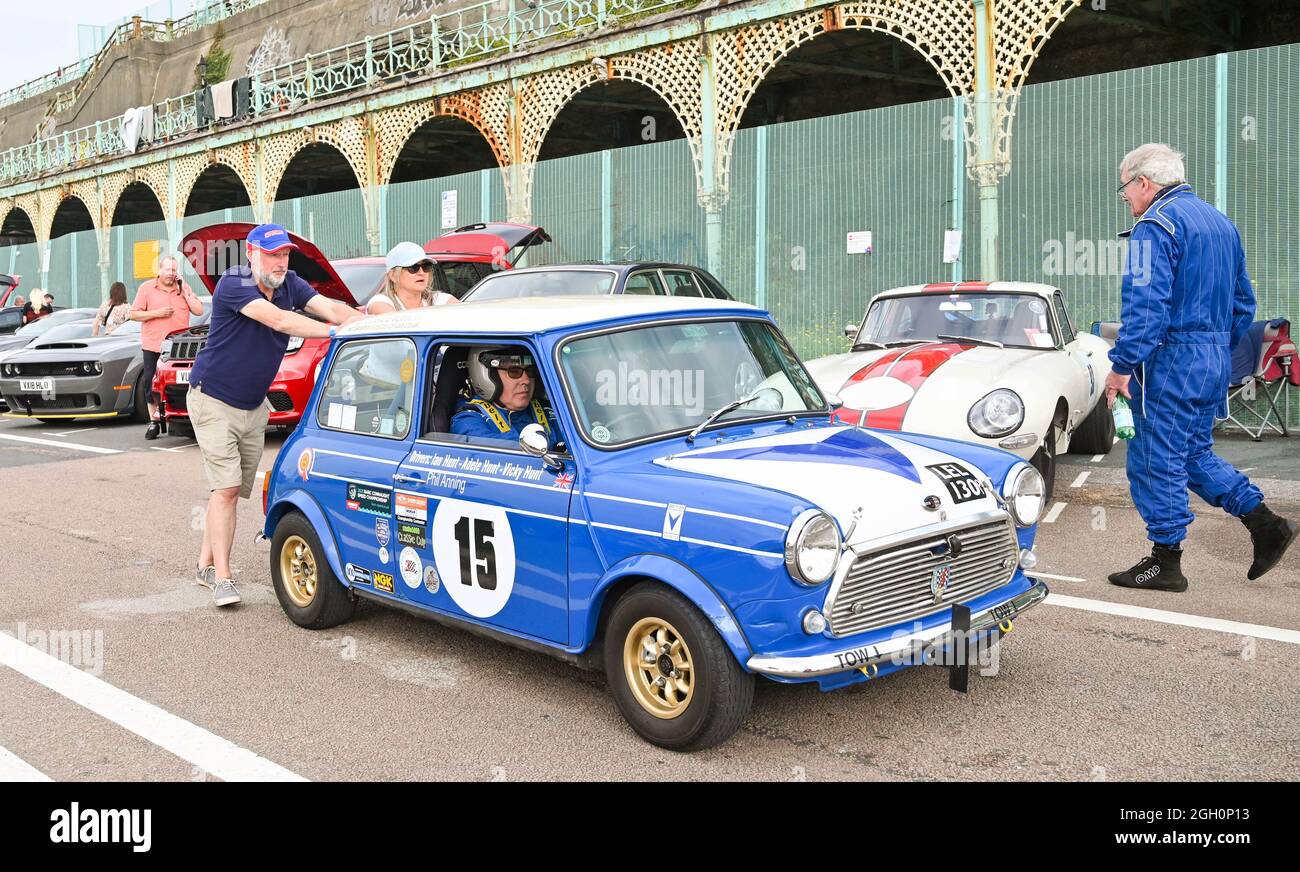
(1236, 628)
(67, 432)
(1033, 574)
(1083, 476)
(1054, 513)
(208, 751)
(1247, 469)
(1096, 458)
(177, 448)
(13, 768)
(75, 446)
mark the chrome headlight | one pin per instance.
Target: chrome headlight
(1025, 494)
(997, 414)
(295, 342)
(812, 548)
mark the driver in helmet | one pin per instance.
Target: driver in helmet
(505, 383)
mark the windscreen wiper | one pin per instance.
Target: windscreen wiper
(989, 342)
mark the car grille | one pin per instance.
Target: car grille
(37, 403)
(186, 349)
(280, 401)
(175, 396)
(892, 585)
(31, 370)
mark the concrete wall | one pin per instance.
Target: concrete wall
(148, 72)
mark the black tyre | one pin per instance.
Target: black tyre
(1044, 459)
(140, 400)
(1096, 435)
(673, 678)
(309, 592)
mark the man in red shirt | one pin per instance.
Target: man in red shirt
(162, 305)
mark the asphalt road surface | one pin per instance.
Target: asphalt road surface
(102, 528)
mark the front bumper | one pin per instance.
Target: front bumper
(858, 657)
(100, 395)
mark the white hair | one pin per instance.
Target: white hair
(1157, 161)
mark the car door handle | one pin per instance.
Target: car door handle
(415, 478)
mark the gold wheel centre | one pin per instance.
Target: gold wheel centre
(298, 571)
(658, 667)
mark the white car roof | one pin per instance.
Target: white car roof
(536, 314)
(972, 288)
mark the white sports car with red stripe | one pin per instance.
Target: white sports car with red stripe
(995, 363)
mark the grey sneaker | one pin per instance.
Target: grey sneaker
(207, 576)
(224, 593)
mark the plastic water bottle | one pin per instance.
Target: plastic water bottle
(1123, 419)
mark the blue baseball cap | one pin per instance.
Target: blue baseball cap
(270, 237)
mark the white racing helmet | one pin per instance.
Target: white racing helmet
(483, 364)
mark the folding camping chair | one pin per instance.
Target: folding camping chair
(1263, 365)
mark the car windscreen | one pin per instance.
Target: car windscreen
(362, 279)
(54, 319)
(641, 382)
(544, 283)
(1015, 320)
(126, 328)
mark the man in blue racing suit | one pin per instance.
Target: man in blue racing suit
(504, 382)
(1186, 299)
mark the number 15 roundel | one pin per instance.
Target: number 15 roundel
(475, 555)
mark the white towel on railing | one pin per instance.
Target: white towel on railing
(223, 100)
(137, 127)
(131, 129)
(144, 115)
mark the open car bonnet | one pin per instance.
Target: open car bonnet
(495, 239)
(7, 286)
(213, 249)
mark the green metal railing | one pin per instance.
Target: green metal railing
(442, 42)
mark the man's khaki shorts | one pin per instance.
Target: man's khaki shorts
(230, 440)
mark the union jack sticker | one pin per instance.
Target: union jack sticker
(564, 480)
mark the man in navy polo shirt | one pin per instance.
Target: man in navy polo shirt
(252, 319)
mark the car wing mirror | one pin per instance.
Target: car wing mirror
(535, 443)
(834, 401)
(850, 330)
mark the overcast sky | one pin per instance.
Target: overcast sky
(41, 35)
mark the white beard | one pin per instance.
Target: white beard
(270, 281)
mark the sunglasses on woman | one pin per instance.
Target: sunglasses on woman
(425, 265)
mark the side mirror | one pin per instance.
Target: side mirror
(835, 402)
(850, 331)
(535, 443)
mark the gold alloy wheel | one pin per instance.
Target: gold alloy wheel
(658, 667)
(298, 571)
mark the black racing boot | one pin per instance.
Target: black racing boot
(1161, 571)
(1271, 536)
(151, 432)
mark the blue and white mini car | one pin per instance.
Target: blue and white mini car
(650, 522)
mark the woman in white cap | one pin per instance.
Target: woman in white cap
(408, 284)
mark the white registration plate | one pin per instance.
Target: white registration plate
(182, 376)
(36, 385)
